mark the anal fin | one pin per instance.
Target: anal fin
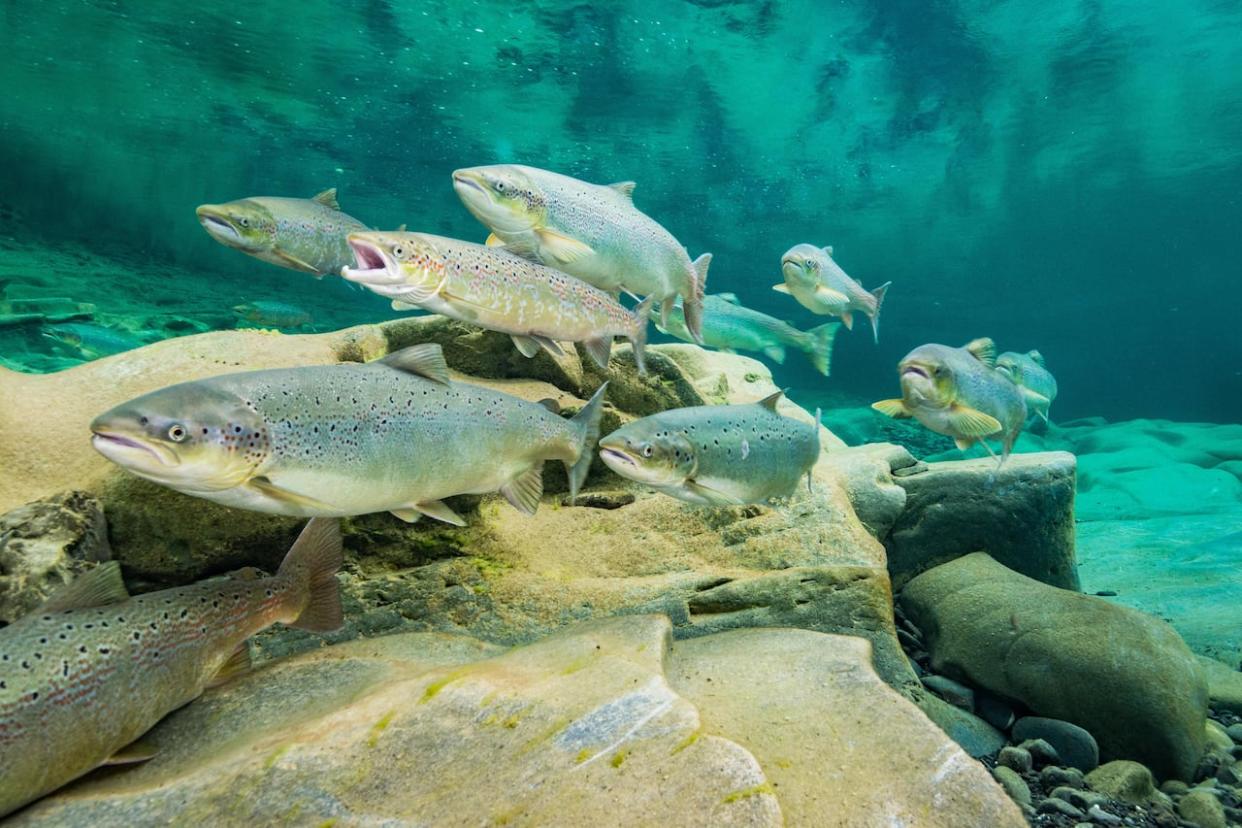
(237, 664)
(599, 350)
(525, 490)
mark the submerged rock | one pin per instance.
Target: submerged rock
(599, 724)
(1022, 515)
(46, 544)
(1122, 779)
(1074, 745)
(1224, 685)
(1125, 677)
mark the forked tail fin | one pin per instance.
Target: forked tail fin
(818, 346)
(587, 422)
(313, 560)
(692, 306)
(878, 295)
(642, 312)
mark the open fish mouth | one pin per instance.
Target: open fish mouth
(117, 447)
(462, 181)
(218, 227)
(613, 457)
(372, 265)
(914, 370)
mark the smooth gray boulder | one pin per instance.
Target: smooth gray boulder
(1125, 677)
(1022, 515)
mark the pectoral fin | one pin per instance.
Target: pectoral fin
(831, 298)
(132, 754)
(970, 422)
(267, 488)
(848, 318)
(963, 443)
(599, 350)
(713, 496)
(1034, 399)
(426, 360)
(526, 345)
(776, 353)
(493, 240)
(434, 509)
(294, 262)
(525, 490)
(781, 288)
(892, 408)
(562, 248)
(550, 345)
(398, 305)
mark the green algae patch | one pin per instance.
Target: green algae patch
(747, 793)
(435, 687)
(619, 758)
(686, 742)
(582, 756)
(328, 823)
(275, 757)
(379, 727)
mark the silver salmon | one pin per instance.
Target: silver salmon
(959, 393)
(93, 669)
(306, 234)
(393, 435)
(819, 284)
(590, 231)
(498, 290)
(1032, 376)
(730, 326)
(716, 455)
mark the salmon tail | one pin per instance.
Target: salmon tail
(692, 306)
(587, 423)
(878, 296)
(313, 561)
(818, 346)
(642, 312)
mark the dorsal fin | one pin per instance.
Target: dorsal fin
(731, 298)
(984, 350)
(327, 198)
(550, 404)
(400, 228)
(828, 250)
(769, 402)
(1038, 358)
(625, 188)
(426, 360)
(98, 587)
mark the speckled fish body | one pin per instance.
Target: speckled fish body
(714, 455)
(78, 683)
(495, 289)
(731, 326)
(92, 340)
(347, 439)
(813, 277)
(1036, 382)
(305, 234)
(274, 314)
(959, 393)
(590, 231)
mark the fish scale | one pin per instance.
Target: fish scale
(78, 684)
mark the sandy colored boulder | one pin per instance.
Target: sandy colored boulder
(1224, 685)
(1125, 677)
(839, 747)
(1022, 515)
(579, 729)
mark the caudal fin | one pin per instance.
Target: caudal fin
(642, 312)
(587, 422)
(878, 295)
(818, 346)
(692, 306)
(313, 560)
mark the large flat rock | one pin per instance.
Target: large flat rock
(599, 724)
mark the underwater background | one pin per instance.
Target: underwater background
(1062, 176)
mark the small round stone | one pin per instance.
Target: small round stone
(1013, 784)
(1059, 806)
(1041, 752)
(1235, 732)
(1055, 776)
(1202, 808)
(1016, 758)
(1074, 745)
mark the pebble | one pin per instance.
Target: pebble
(1054, 776)
(908, 641)
(1228, 774)
(1013, 784)
(958, 695)
(1041, 752)
(1075, 746)
(1078, 798)
(1016, 758)
(1235, 732)
(1174, 787)
(1059, 806)
(1203, 809)
(1102, 817)
(1125, 780)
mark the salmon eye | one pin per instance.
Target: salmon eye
(398, 251)
(177, 433)
(243, 221)
(500, 185)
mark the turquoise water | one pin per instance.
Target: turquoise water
(1063, 178)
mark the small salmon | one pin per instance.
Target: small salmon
(819, 284)
(1036, 382)
(93, 669)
